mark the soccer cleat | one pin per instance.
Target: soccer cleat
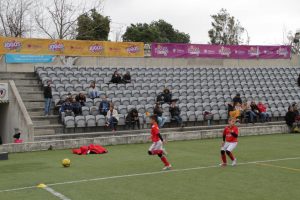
(169, 167)
(234, 162)
(223, 164)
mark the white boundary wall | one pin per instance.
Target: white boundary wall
(159, 62)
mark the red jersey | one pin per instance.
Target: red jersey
(154, 133)
(227, 133)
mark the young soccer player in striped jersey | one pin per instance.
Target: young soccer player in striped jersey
(230, 141)
(157, 146)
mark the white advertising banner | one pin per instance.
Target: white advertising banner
(4, 93)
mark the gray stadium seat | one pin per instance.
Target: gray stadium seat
(90, 121)
(69, 122)
(100, 120)
(80, 121)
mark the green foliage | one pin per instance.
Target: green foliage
(157, 31)
(226, 30)
(93, 26)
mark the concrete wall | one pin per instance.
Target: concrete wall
(100, 61)
(138, 138)
(14, 115)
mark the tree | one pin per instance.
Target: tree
(226, 30)
(93, 26)
(61, 16)
(157, 31)
(14, 17)
(294, 41)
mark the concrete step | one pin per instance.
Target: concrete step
(16, 75)
(44, 132)
(36, 113)
(32, 81)
(34, 104)
(51, 119)
(56, 128)
(28, 88)
(32, 95)
(41, 123)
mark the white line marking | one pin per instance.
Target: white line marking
(147, 173)
(57, 194)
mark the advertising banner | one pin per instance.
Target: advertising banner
(24, 58)
(172, 50)
(70, 47)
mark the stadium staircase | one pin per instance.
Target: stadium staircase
(31, 93)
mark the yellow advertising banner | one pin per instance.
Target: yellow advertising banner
(70, 47)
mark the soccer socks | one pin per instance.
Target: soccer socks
(165, 161)
(223, 157)
(230, 155)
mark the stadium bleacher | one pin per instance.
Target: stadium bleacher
(198, 89)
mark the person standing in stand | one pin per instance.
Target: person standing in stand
(48, 98)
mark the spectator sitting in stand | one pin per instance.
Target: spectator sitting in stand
(175, 112)
(298, 80)
(254, 108)
(295, 109)
(116, 78)
(236, 113)
(104, 106)
(248, 112)
(66, 108)
(81, 99)
(158, 112)
(126, 78)
(76, 108)
(237, 99)
(263, 112)
(290, 118)
(132, 118)
(112, 118)
(93, 91)
(164, 97)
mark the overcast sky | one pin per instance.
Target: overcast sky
(265, 20)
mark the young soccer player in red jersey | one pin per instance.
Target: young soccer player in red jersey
(157, 146)
(230, 140)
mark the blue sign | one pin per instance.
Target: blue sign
(23, 58)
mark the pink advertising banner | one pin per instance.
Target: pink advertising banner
(173, 50)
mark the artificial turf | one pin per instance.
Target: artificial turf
(267, 180)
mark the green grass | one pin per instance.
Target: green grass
(251, 181)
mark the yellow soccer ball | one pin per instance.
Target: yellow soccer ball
(66, 162)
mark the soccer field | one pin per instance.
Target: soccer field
(268, 168)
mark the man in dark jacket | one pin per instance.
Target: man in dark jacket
(48, 98)
(254, 108)
(127, 78)
(237, 99)
(116, 78)
(66, 108)
(175, 112)
(159, 113)
(81, 99)
(290, 117)
(76, 107)
(132, 119)
(104, 106)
